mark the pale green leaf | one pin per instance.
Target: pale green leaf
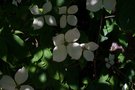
(37, 56)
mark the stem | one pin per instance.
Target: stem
(98, 41)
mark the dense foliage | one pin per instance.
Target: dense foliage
(67, 45)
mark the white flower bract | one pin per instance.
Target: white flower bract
(7, 83)
(49, 19)
(67, 16)
(72, 48)
(88, 53)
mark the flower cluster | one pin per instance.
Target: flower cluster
(67, 16)
(38, 22)
(95, 5)
(67, 45)
(7, 83)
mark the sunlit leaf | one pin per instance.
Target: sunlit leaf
(121, 58)
(63, 21)
(37, 56)
(21, 75)
(72, 9)
(47, 53)
(18, 40)
(72, 20)
(47, 7)
(43, 78)
(59, 53)
(72, 35)
(88, 55)
(74, 50)
(50, 20)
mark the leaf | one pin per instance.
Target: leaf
(26, 87)
(72, 35)
(121, 58)
(50, 20)
(74, 50)
(7, 83)
(72, 20)
(60, 2)
(47, 53)
(126, 19)
(93, 5)
(18, 40)
(63, 10)
(88, 55)
(72, 9)
(47, 7)
(3, 50)
(59, 53)
(38, 23)
(63, 21)
(21, 76)
(37, 56)
(103, 38)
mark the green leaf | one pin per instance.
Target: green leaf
(123, 42)
(103, 38)
(126, 19)
(3, 50)
(18, 40)
(108, 28)
(47, 53)
(37, 56)
(121, 58)
(60, 2)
